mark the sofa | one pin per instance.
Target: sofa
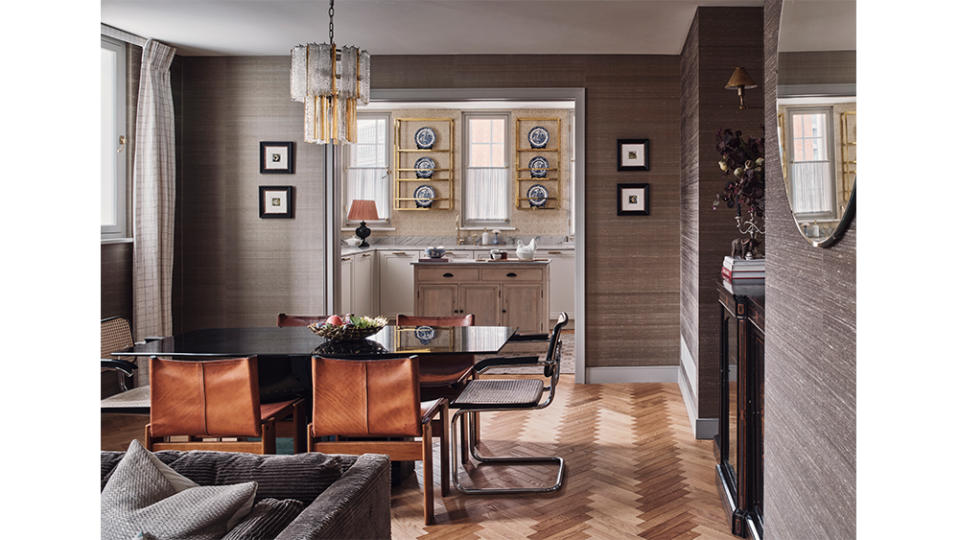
(344, 496)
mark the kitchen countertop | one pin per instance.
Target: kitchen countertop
(508, 262)
(347, 250)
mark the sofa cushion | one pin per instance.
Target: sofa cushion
(268, 518)
(145, 497)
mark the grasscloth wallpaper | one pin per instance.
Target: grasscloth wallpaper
(810, 475)
(632, 282)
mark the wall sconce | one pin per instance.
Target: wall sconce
(740, 81)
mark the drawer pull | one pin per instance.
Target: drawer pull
(399, 253)
(555, 252)
(346, 259)
(511, 274)
(448, 274)
(366, 255)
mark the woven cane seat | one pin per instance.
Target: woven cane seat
(504, 393)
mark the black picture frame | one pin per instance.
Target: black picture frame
(623, 190)
(267, 167)
(623, 165)
(270, 191)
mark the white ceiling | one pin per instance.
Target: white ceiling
(818, 25)
(271, 27)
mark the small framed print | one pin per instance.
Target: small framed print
(276, 157)
(276, 202)
(632, 199)
(632, 154)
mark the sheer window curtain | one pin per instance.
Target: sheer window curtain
(154, 166)
(812, 191)
(487, 193)
(369, 184)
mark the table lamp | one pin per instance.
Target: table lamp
(362, 210)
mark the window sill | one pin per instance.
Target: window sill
(105, 241)
(352, 229)
(488, 228)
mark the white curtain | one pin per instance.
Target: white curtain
(154, 165)
(487, 193)
(369, 184)
(812, 190)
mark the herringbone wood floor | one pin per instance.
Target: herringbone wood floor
(634, 471)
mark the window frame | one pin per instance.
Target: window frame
(829, 143)
(121, 204)
(467, 148)
(347, 159)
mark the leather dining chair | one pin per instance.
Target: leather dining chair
(213, 404)
(283, 319)
(363, 399)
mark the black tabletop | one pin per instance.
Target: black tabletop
(291, 342)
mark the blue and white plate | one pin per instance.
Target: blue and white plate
(538, 137)
(424, 196)
(425, 334)
(424, 167)
(537, 195)
(538, 167)
(425, 137)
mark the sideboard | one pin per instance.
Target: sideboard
(739, 444)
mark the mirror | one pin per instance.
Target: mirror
(816, 107)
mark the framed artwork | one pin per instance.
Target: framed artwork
(632, 154)
(276, 157)
(276, 202)
(632, 199)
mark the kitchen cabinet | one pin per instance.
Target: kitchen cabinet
(496, 293)
(346, 284)
(562, 282)
(362, 282)
(396, 281)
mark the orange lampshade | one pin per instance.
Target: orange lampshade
(740, 79)
(362, 210)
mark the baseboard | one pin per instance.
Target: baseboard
(688, 364)
(703, 428)
(632, 374)
(707, 428)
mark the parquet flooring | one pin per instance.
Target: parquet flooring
(634, 470)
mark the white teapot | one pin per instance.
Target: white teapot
(527, 251)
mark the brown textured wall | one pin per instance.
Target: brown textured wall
(632, 286)
(810, 473)
(234, 268)
(116, 280)
(720, 39)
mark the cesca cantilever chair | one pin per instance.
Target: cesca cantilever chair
(509, 395)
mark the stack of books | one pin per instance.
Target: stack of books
(744, 276)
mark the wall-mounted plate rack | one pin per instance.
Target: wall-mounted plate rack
(553, 151)
(405, 154)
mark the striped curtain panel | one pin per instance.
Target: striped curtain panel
(154, 165)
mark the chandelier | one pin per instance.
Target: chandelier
(329, 82)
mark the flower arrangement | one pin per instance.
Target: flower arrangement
(743, 159)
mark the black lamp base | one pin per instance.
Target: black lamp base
(362, 232)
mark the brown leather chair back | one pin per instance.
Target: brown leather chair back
(217, 398)
(115, 335)
(360, 398)
(299, 320)
(411, 320)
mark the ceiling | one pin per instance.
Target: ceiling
(271, 27)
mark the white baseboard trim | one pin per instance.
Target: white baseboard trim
(632, 374)
(688, 365)
(707, 428)
(703, 428)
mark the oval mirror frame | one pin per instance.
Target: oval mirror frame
(816, 70)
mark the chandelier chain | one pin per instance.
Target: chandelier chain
(331, 22)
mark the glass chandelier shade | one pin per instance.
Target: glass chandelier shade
(330, 82)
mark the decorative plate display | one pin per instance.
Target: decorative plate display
(424, 167)
(537, 195)
(538, 137)
(425, 334)
(424, 196)
(538, 167)
(425, 137)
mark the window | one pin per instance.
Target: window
(812, 186)
(486, 184)
(367, 169)
(113, 173)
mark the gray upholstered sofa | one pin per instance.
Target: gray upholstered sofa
(346, 496)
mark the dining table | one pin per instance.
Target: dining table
(284, 352)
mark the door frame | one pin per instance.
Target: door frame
(506, 95)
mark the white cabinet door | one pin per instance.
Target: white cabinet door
(363, 284)
(396, 282)
(562, 281)
(346, 284)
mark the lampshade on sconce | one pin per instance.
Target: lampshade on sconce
(363, 210)
(740, 81)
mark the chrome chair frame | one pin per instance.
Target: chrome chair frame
(551, 369)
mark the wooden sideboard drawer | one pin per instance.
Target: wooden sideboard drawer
(447, 274)
(511, 274)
